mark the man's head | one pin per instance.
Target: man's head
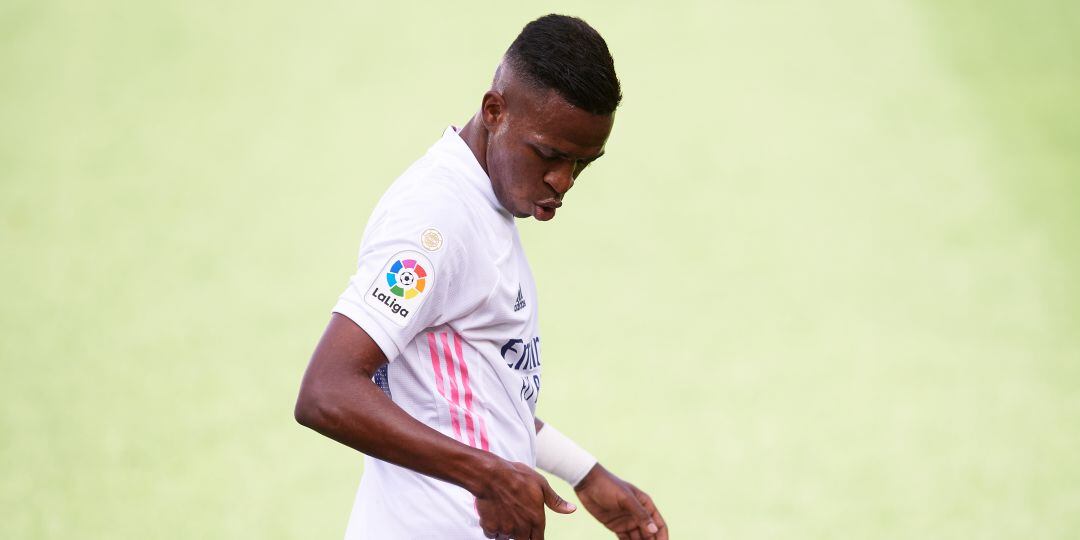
(548, 114)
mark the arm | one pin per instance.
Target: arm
(619, 505)
(338, 399)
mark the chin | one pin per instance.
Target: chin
(522, 211)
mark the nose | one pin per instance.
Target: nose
(561, 179)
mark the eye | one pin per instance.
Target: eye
(548, 154)
(580, 166)
(545, 156)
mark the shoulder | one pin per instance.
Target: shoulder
(427, 212)
(429, 196)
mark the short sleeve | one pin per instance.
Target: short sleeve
(413, 272)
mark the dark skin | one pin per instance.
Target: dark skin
(533, 145)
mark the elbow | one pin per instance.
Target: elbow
(313, 412)
(304, 411)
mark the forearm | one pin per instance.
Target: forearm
(339, 400)
(365, 419)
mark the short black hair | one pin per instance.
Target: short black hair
(566, 54)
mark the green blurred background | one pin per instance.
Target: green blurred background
(824, 284)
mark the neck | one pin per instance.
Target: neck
(475, 136)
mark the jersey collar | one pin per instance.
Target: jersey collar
(475, 173)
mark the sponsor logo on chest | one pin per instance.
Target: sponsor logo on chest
(523, 356)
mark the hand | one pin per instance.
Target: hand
(511, 503)
(620, 506)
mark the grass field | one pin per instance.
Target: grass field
(823, 285)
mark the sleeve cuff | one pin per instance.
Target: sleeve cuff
(364, 320)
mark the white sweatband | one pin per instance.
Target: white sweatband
(558, 455)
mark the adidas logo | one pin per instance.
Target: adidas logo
(520, 303)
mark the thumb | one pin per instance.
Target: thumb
(555, 502)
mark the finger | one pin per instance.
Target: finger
(635, 535)
(644, 518)
(650, 507)
(555, 502)
(490, 531)
(663, 534)
(538, 525)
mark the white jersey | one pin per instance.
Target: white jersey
(444, 289)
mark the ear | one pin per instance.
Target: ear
(493, 110)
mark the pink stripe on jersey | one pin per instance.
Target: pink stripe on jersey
(459, 360)
(468, 394)
(455, 403)
(439, 382)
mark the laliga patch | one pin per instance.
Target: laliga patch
(402, 287)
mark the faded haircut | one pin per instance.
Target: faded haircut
(566, 54)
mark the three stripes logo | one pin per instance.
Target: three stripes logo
(519, 304)
(454, 384)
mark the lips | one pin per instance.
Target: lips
(545, 210)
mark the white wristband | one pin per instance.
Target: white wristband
(562, 457)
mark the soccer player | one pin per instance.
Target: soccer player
(430, 364)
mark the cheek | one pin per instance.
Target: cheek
(519, 172)
(528, 168)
